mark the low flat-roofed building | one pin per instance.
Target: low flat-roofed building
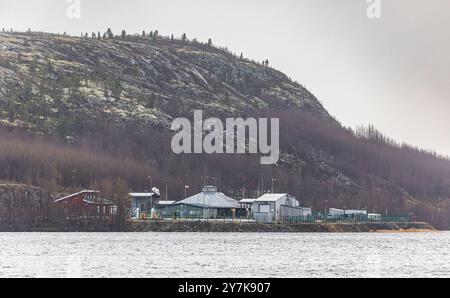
(247, 206)
(275, 207)
(344, 214)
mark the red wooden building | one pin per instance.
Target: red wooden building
(86, 204)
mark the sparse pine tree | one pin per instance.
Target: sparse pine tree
(171, 38)
(27, 91)
(143, 33)
(124, 34)
(184, 37)
(34, 64)
(116, 88)
(109, 33)
(210, 42)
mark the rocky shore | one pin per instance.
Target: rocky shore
(227, 227)
(214, 227)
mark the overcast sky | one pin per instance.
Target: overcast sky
(393, 72)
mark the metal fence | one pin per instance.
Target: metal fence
(268, 219)
(200, 217)
(343, 219)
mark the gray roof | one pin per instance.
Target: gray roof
(166, 202)
(271, 197)
(142, 194)
(247, 201)
(211, 199)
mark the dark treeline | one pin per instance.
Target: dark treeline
(55, 166)
(382, 176)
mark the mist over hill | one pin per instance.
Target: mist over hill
(105, 103)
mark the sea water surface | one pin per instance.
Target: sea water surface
(224, 255)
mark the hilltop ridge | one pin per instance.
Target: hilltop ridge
(130, 78)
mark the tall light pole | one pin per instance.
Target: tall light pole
(185, 191)
(273, 180)
(151, 181)
(151, 196)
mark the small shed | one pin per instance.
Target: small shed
(143, 202)
(247, 205)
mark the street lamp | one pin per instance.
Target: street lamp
(273, 180)
(151, 181)
(185, 191)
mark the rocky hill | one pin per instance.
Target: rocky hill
(115, 96)
(48, 80)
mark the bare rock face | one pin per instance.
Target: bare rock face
(22, 206)
(49, 83)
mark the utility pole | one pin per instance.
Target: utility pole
(262, 181)
(273, 180)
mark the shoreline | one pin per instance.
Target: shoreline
(403, 231)
(221, 227)
(229, 227)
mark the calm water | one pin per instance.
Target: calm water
(224, 255)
